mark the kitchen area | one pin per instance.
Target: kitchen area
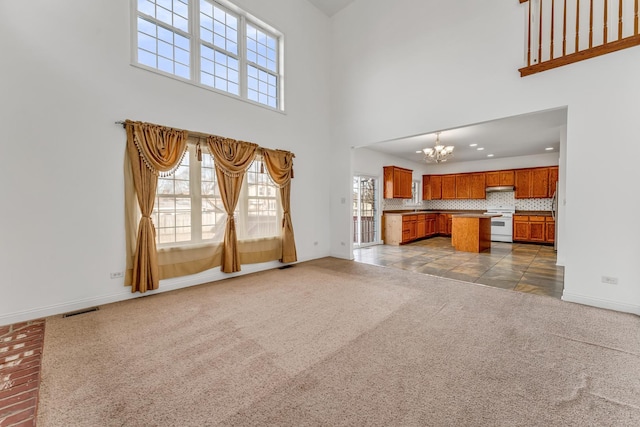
(497, 227)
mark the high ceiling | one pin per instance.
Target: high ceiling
(515, 136)
(522, 135)
(331, 7)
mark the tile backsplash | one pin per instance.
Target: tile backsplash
(507, 198)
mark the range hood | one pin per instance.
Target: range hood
(501, 188)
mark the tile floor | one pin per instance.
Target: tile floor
(521, 267)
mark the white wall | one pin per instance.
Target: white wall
(370, 162)
(547, 159)
(406, 67)
(391, 69)
(66, 78)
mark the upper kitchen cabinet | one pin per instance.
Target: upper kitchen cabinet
(532, 183)
(431, 187)
(523, 183)
(553, 180)
(500, 178)
(436, 187)
(540, 182)
(477, 189)
(507, 178)
(397, 182)
(448, 186)
(493, 179)
(463, 186)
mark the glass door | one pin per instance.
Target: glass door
(365, 211)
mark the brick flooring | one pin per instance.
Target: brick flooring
(20, 359)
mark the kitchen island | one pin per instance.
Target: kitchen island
(471, 232)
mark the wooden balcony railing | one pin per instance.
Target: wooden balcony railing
(562, 32)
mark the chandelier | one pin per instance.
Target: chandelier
(439, 153)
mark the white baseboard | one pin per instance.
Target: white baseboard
(601, 303)
(167, 285)
(348, 256)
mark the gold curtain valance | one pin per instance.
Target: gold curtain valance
(160, 147)
(232, 157)
(197, 137)
(280, 165)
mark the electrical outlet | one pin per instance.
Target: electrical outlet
(117, 275)
(610, 280)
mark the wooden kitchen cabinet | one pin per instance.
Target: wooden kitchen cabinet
(493, 178)
(478, 186)
(431, 187)
(500, 178)
(553, 180)
(507, 177)
(430, 221)
(436, 187)
(426, 225)
(397, 182)
(536, 228)
(533, 229)
(426, 187)
(550, 230)
(523, 183)
(540, 182)
(520, 228)
(532, 183)
(444, 224)
(463, 186)
(409, 230)
(529, 183)
(421, 226)
(448, 187)
(400, 229)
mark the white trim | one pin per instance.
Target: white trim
(209, 88)
(347, 256)
(600, 303)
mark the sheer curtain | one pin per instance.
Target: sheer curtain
(231, 158)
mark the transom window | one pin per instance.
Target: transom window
(189, 209)
(213, 44)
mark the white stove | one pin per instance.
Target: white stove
(502, 226)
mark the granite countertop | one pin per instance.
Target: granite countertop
(432, 211)
(458, 212)
(539, 213)
(476, 215)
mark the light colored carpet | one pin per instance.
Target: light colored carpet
(333, 342)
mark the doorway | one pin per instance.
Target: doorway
(365, 211)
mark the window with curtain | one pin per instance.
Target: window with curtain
(213, 44)
(188, 208)
(259, 207)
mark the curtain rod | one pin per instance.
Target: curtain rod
(193, 134)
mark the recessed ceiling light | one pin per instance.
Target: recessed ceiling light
(473, 145)
(419, 152)
(489, 155)
(549, 148)
(480, 148)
